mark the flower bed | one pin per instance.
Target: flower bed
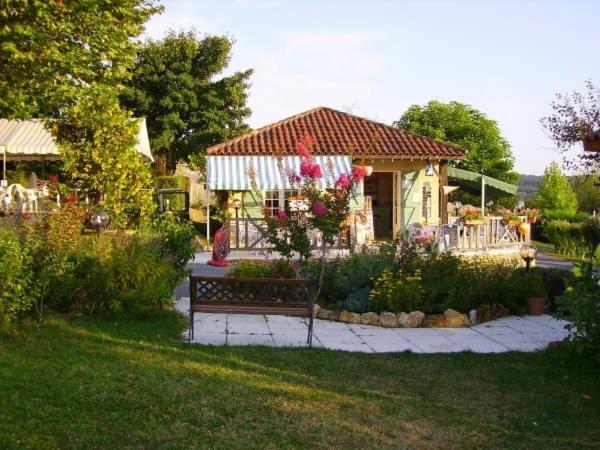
(397, 280)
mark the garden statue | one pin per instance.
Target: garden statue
(220, 247)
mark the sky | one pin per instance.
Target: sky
(375, 58)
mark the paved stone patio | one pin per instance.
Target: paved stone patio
(525, 334)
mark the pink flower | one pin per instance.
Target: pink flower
(359, 172)
(282, 216)
(302, 151)
(319, 209)
(343, 181)
(306, 167)
(316, 171)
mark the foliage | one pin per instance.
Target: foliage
(115, 272)
(262, 269)
(357, 301)
(66, 270)
(488, 152)
(574, 116)
(98, 141)
(173, 238)
(590, 229)
(587, 190)
(566, 237)
(52, 50)
(15, 279)
(173, 85)
(555, 192)
(322, 211)
(581, 306)
(52, 241)
(394, 294)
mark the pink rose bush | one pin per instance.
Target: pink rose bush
(290, 232)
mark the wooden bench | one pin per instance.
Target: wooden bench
(273, 296)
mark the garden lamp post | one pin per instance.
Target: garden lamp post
(99, 220)
(527, 253)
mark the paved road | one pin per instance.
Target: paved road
(183, 290)
(552, 262)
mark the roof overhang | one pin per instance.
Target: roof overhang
(471, 183)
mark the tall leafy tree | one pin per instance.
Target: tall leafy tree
(573, 117)
(98, 141)
(555, 192)
(176, 85)
(51, 49)
(488, 152)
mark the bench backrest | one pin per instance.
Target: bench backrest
(268, 293)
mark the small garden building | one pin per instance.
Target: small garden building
(406, 172)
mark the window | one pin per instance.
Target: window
(276, 200)
(426, 206)
(272, 202)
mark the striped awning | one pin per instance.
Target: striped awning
(30, 140)
(231, 172)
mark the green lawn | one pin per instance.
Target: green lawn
(116, 383)
(548, 249)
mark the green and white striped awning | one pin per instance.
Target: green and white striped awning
(22, 140)
(231, 172)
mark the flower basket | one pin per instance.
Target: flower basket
(474, 222)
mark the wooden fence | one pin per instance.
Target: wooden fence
(249, 234)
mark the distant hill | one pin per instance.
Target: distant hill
(528, 185)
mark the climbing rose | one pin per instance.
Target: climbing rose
(343, 181)
(319, 209)
(302, 151)
(359, 172)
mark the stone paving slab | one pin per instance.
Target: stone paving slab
(523, 334)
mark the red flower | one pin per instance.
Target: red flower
(343, 181)
(316, 171)
(359, 172)
(302, 151)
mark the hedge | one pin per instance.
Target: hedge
(575, 239)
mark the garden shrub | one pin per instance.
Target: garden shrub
(581, 306)
(590, 229)
(262, 269)
(15, 296)
(548, 216)
(174, 238)
(395, 294)
(357, 301)
(567, 237)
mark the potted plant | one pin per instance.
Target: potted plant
(510, 219)
(473, 218)
(537, 300)
(532, 214)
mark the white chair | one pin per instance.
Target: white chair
(28, 196)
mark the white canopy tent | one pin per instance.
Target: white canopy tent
(30, 140)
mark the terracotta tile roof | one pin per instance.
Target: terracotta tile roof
(336, 133)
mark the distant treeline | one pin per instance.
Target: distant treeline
(528, 185)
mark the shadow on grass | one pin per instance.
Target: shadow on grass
(86, 374)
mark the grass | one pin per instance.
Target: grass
(130, 382)
(549, 250)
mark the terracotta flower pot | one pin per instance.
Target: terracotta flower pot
(536, 306)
